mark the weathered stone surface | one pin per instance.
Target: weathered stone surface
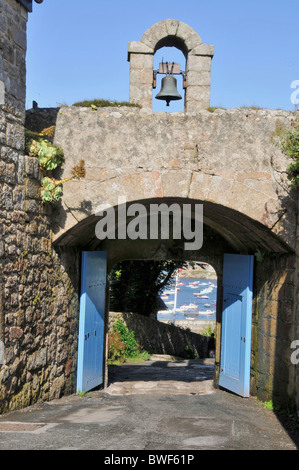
(198, 94)
(57, 387)
(203, 49)
(199, 78)
(171, 26)
(13, 50)
(37, 360)
(138, 47)
(203, 145)
(154, 34)
(30, 273)
(141, 62)
(15, 333)
(198, 64)
(188, 35)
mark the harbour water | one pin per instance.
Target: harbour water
(190, 306)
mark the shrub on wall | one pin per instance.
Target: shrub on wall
(49, 158)
(122, 344)
(288, 141)
(116, 348)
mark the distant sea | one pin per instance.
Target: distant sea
(185, 296)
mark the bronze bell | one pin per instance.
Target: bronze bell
(169, 90)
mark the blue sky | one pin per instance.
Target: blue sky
(78, 49)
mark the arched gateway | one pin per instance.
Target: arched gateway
(54, 264)
(224, 161)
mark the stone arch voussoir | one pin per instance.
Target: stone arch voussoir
(156, 36)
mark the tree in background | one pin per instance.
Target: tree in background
(136, 285)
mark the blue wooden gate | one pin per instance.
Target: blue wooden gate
(236, 324)
(91, 322)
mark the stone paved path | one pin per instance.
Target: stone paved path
(155, 407)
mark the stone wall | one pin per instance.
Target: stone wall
(273, 376)
(38, 284)
(38, 288)
(39, 295)
(225, 159)
(39, 119)
(160, 338)
(13, 24)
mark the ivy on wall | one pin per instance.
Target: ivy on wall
(49, 158)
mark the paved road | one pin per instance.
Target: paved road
(158, 406)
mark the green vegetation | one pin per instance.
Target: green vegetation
(100, 103)
(128, 339)
(49, 158)
(51, 191)
(288, 142)
(286, 411)
(213, 108)
(252, 106)
(268, 405)
(123, 347)
(135, 285)
(82, 394)
(259, 256)
(51, 188)
(208, 331)
(188, 353)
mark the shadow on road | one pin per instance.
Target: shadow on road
(170, 377)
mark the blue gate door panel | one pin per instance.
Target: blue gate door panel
(91, 322)
(236, 324)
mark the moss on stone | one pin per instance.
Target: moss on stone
(21, 399)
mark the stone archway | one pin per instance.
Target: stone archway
(226, 231)
(225, 159)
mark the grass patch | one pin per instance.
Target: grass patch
(269, 405)
(142, 357)
(101, 103)
(213, 108)
(253, 107)
(82, 394)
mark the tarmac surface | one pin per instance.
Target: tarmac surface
(160, 405)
